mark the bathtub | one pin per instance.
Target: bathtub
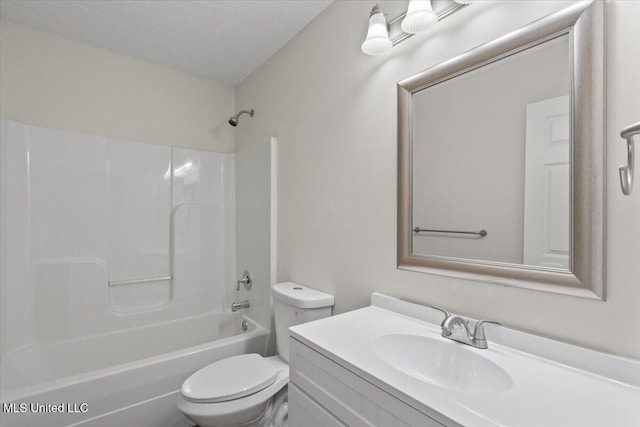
(126, 378)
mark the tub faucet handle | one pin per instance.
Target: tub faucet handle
(246, 280)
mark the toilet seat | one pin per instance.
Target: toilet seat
(238, 411)
(230, 379)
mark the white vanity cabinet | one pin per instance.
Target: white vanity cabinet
(323, 393)
(387, 365)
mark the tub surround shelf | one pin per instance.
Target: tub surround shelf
(520, 380)
(136, 281)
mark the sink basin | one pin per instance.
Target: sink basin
(443, 363)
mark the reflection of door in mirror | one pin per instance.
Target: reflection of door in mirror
(547, 179)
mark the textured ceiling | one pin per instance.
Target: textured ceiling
(217, 39)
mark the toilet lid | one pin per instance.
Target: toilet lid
(230, 379)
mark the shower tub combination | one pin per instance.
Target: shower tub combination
(114, 257)
(137, 387)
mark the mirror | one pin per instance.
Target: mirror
(493, 164)
(501, 159)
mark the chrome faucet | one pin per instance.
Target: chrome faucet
(456, 328)
(235, 306)
(246, 280)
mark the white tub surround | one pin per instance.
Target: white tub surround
(256, 218)
(101, 235)
(393, 356)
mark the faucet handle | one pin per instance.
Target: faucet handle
(246, 280)
(478, 331)
(446, 313)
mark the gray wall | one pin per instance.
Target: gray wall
(54, 82)
(333, 110)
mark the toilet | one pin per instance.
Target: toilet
(250, 390)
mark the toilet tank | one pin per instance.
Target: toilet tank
(294, 304)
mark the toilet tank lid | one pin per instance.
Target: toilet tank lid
(301, 296)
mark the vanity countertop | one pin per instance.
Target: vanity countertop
(550, 383)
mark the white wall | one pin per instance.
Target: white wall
(255, 231)
(50, 81)
(333, 110)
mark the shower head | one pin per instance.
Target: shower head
(233, 121)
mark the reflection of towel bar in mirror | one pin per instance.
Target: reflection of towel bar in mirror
(136, 281)
(481, 233)
(626, 171)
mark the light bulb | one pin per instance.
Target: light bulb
(420, 16)
(377, 41)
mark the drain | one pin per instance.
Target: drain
(245, 325)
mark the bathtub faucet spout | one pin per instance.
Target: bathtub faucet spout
(235, 306)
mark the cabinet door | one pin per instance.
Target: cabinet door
(305, 412)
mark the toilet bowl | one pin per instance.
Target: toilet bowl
(250, 390)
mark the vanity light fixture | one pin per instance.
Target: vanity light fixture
(377, 40)
(420, 15)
